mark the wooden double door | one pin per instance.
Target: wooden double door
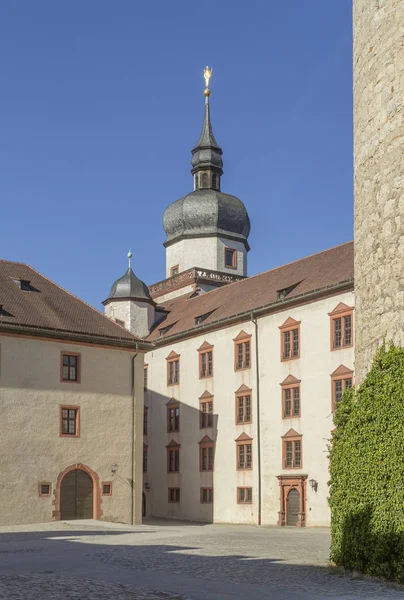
(77, 496)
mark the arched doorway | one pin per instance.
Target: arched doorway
(293, 507)
(77, 496)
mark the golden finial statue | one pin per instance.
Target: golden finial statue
(207, 75)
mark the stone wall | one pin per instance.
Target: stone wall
(379, 175)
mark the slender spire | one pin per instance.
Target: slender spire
(207, 154)
(130, 259)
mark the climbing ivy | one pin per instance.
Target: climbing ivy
(367, 472)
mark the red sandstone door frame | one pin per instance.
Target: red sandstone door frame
(286, 484)
(97, 499)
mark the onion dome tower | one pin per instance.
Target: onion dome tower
(129, 303)
(207, 228)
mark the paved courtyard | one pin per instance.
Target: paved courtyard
(88, 560)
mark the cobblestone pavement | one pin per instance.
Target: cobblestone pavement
(163, 561)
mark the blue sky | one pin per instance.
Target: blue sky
(101, 103)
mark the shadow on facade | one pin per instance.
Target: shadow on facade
(195, 441)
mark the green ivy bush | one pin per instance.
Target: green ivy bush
(367, 472)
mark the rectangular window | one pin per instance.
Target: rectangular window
(174, 271)
(290, 344)
(145, 376)
(107, 488)
(243, 409)
(173, 418)
(339, 386)
(173, 494)
(173, 372)
(120, 322)
(243, 356)
(206, 495)
(69, 425)
(145, 417)
(292, 454)
(205, 364)
(291, 402)
(244, 456)
(244, 495)
(230, 258)
(45, 489)
(173, 460)
(206, 414)
(144, 459)
(341, 331)
(206, 458)
(70, 367)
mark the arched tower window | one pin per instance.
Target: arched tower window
(215, 181)
(204, 180)
(196, 182)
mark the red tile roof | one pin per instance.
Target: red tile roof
(322, 270)
(47, 308)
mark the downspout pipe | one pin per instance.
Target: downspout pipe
(132, 508)
(257, 372)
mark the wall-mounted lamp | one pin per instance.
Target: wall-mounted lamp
(147, 487)
(114, 468)
(313, 484)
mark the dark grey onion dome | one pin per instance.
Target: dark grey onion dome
(207, 153)
(129, 287)
(204, 213)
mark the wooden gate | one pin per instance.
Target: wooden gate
(76, 496)
(293, 507)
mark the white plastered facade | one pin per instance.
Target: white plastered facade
(314, 368)
(206, 253)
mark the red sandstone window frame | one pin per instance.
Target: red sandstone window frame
(173, 372)
(296, 441)
(106, 483)
(233, 264)
(174, 496)
(206, 411)
(77, 355)
(341, 375)
(173, 416)
(145, 420)
(242, 495)
(288, 387)
(288, 339)
(69, 407)
(205, 361)
(41, 493)
(242, 351)
(173, 457)
(145, 377)
(208, 494)
(244, 453)
(340, 313)
(145, 458)
(243, 401)
(206, 455)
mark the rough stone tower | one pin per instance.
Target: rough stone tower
(379, 176)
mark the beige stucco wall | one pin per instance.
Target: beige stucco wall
(207, 253)
(379, 175)
(31, 450)
(314, 368)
